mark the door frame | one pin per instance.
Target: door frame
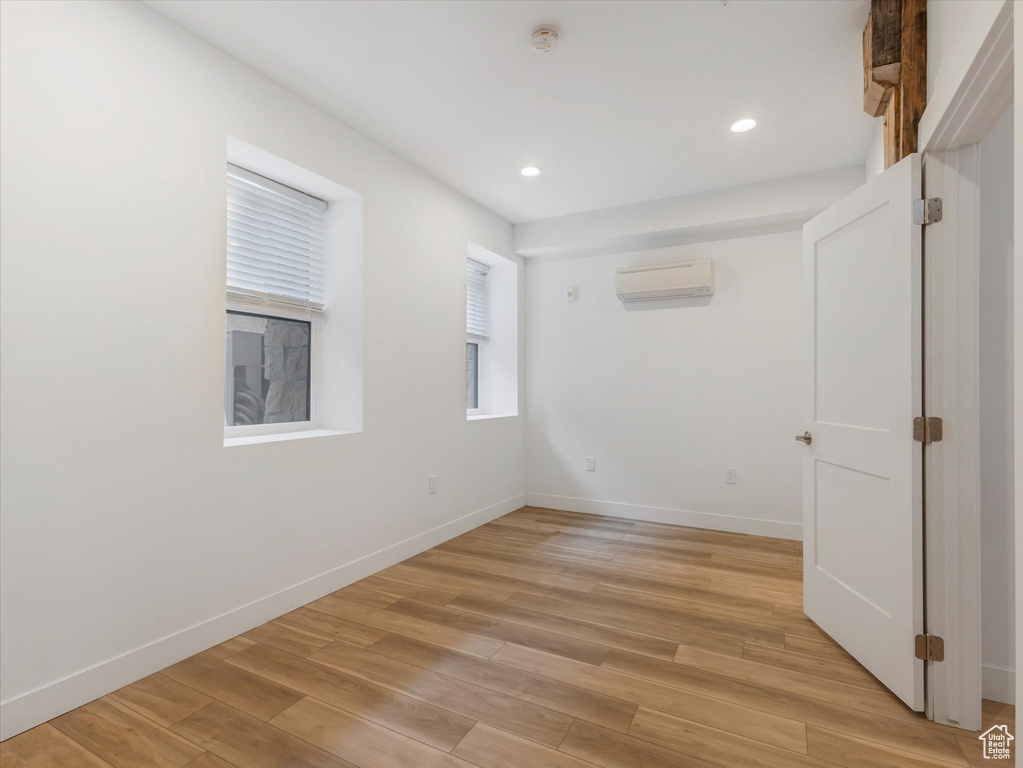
(971, 91)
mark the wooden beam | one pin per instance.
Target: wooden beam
(875, 95)
(886, 41)
(913, 88)
(892, 130)
(895, 72)
(882, 54)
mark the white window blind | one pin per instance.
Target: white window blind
(476, 301)
(275, 248)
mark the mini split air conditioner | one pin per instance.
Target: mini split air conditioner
(666, 281)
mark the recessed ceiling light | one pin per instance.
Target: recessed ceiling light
(741, 126)
(531, 170)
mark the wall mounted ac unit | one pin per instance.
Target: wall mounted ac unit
(666, 281)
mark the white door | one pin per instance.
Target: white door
(862, 473)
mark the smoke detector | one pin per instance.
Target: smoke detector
(543, 39)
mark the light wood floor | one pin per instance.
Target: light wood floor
(544, 638)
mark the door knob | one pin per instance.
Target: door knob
(806, 437)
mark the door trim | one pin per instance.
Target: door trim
(952, 549)
(971, 91)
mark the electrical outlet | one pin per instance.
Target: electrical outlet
(730, 475)
(433, 483)
(591, 464)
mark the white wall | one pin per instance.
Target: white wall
(666, 395)
(996, 411)
(131, 537)
(875, 155)
(945, 20)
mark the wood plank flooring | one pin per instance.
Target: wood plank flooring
(543, 638)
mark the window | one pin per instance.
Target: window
(475, 329)
(472, 375)
(268, 369)
(275, 293)
(491, 335)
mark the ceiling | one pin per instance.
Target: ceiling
(634, 104)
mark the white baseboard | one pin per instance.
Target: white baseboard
(30, 709)
(998, 684)
(775, 528)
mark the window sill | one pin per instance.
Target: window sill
(279, 437)
(486, 416)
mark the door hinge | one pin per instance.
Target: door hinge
(927, 430)
(929, 648)
(927, 211)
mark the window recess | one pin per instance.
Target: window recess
(476, 328)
